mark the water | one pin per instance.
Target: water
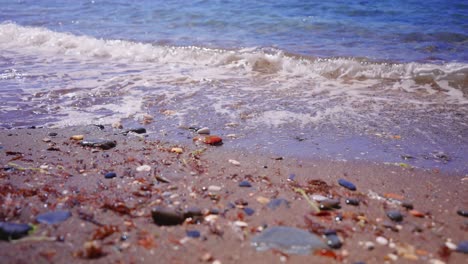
(368, 80)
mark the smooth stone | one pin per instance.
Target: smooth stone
(395, 215)
(249, 211)
(245, 184)
(143, 168)
(137, 130)
(167, 217)
(99, 143)
(381, 240)
(463, 247)
(407, 205)
(110, 175)
(193, 212)
(54, 217)
(193, 233)
(52, 134)
(203, 130)
(275, 203)
(329, 204)
(347, 184)
(287, 239)
(352, 201)
(213, 140)
(463, 213)
(214, 188)
(10, 231)
(333, 241)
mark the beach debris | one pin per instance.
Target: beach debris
(352, 201)
(234, 162)
(110, 175)
(143, 168)
(347, 184)
(99, 143)
(203, 130)
(77, 137)
(313, 204)
(245, 184)
(52, 218)
(462, 247)
(333, 241)
(394, 215)
(287, 239)
(9, 231)
(163, 216)
(463, 213)
(193, 233)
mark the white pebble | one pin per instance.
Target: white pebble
(234, 162)
(214, 188)
(381, 240)
(204, 130)
(450, 245)
(143, 168)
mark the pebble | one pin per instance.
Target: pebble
(287, 239)
(240, 224)
(177, 150)
(275, 203)
(143, 168)
(77, 137)
(329, 204)
(137, 130)
(333, 241)
(110, 175)
(347, 184)
(193, 233)
(416, 213)
(214, 188)
(463, 213)
(167, 216)
(249, 211)
(450, 245)
(193, 212)
(213, 140)
(463, 247)
(407, 205)
(352, 201)
(53, 218)
(117, 125)
(203, 130)
(318, 197)
(13, 230)
(234, 162)
(381, 240)
(46, 140)
(52, 134)
(99, 143)
(263, 200)
(369, 245)
(245, 184)
(395, 215)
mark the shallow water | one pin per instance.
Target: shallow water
(324, 79)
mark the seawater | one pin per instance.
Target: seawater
(315, 78)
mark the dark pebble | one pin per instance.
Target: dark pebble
(110, 175)
(245, 184)
(275, 203)
(347, 184)
(395, 215)
(52, 134)
(407, 205)
(333, 241)
(53, 218)
(463, 213)
(328, 204)
(99, 143)
(463, 247)
(352, 201)
(124, 237)
(13, 231)
(138, 130)
(249, 211)
(101, 127)
(167, 216)
(193, 233)
(193, 212)
(291, 177)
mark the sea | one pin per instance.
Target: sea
(383, 81)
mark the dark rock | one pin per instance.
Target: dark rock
(54, 217)
(193, 233)
(352, 201)
(10, 231)
(291, 177)
(167, 216)
(110, 175)
(407, 205)
(347, 184)
(249, 211)
(101, 127)
(275, 203)
(463, 213)
(333, 240)
(395, 215)
(99, 143)
(137, 130)
(329, 204)
(463, 247)
(193, 212)
(52, 134)
(245, 184)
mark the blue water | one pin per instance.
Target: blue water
(396, 30)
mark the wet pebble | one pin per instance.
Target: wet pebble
(395, 215)
(137, 130)
(333, 241)
(203, 130)
(167, 216)
(99, 143)
(463, 247)
(193, 233)
(110, 175)
(329, 204)
(463, 213)
(352, 201)
(212, 140)
(13, 230)
(245, 184)
(347, 184)
(249, 211)
(54, 217)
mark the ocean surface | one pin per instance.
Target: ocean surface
(374, 80)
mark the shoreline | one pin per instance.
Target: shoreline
(58, 172)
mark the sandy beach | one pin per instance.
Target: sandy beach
(147, 200)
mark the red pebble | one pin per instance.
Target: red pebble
(212, 140)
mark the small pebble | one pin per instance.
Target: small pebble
(369, 245)
(463, 247)
(167, 216)
(395, 215)
(407, 205)
(381, 240)
(110, 175)
(177, 150)
(53, 218)
(214, 188)
(347, 184)
(450, 245)
(137, 130)
(275, 203)
(203, 130)
(52, 134)
(13, 230)
(234, 162)
(143, 168)
(352, 201)
(463, 213)
(212, 140)
(245, 184)
(77, 137)
(99, 143)
(193, 233)
(333, 241)
(329, 204)
(249, 211)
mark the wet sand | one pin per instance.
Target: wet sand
(112, 220)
